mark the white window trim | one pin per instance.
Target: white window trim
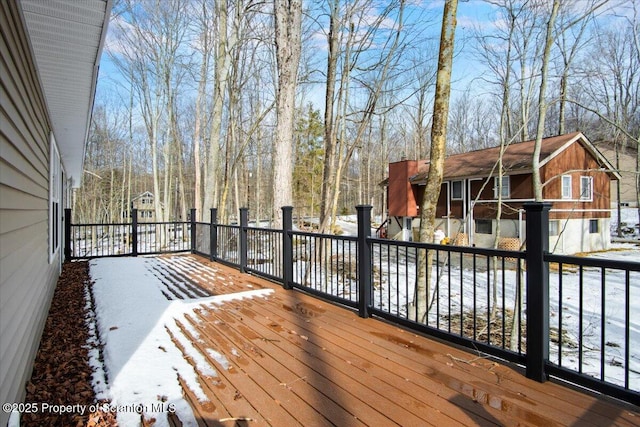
(55, 201)
(588, 197)
(461, 190)
(570, 187)
(496, 181)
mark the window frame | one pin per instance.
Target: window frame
(479, 223)
(461, 196)
(587, 197)
(569, 193)
(55, 200)
(506, 187)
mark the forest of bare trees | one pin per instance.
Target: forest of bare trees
(197, 101)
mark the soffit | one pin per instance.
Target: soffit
(66, 38)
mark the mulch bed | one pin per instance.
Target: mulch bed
(61, 372)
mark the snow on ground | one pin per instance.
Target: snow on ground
(629, 221)
(141, 362)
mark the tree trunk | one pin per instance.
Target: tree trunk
(222, 66)
(542, 103)
(438, 151)
(328, 172)
(288, 20)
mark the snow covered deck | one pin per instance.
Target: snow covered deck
(217, 347)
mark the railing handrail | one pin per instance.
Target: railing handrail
(593, 262)
(453, 248)
(323, 235)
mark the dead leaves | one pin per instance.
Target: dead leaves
(61, 373)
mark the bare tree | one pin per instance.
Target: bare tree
(224, 45)
(329, 122)
(353, 32)
(437, 156)
(288, 20)
(542, 102)
(611, 81)
(569, 43)
(204, 47)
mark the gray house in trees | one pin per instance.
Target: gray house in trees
(50, 52)
(145, 204)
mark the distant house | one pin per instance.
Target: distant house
(625, 164)
(576, 180)
(145, 204)
(50, 53)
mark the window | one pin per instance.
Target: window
(566, 187)
(554, 228)
(586, 188)
(55, 194)
(506, 187)
(484, 226)
(594, 226)
(457, 190)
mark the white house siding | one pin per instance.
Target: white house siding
(575, 237)
(27, 278)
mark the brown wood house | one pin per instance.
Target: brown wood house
(576, 180)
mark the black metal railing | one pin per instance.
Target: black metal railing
(125, 239)
(564, 316)
(326, 265)
(472, 296)
(593, 326)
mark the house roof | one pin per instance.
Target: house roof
(66, 39)
(145, 194)
(516, 159)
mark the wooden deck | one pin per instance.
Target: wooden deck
(296, 360)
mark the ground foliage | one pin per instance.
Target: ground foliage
(61, 371)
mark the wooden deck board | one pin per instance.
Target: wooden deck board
(305, 357)
(477, 384)
(377, 375)
(296, 360)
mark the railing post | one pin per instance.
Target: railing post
(287, 247)
(537, 297)
(67, 234)
(134, 232)
(213, 235)
(244, 221)
(364, 260)
(193, 230)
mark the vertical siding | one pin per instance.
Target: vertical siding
(27, 280)
(402, 200)
(580, 162)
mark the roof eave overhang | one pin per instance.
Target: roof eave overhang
(66, 40)
(606, 166)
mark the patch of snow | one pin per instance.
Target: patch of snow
(219, 358)
(629, 221)
(135, 323)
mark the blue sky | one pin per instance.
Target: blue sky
(472, 15)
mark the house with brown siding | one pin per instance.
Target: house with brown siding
(49, 62)
(576, 180)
